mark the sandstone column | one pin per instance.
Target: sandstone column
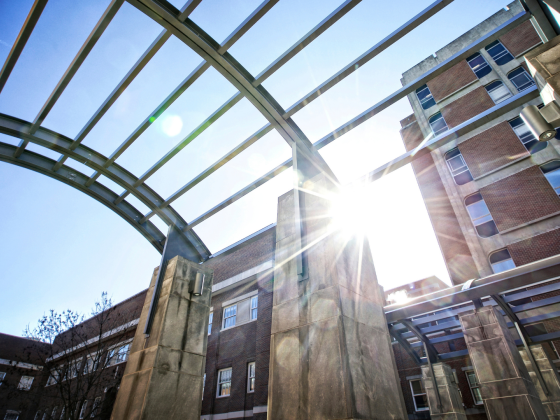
(506, 387)
(331, 355)
(551, 402)
(164, 374)
(450, 406)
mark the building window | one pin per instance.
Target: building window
(458, 167)
(96, 406)
(419, 395)
(425, 97)
(72, 370)
(53, 414)
(118, 355)
(37, 415)
(83, 410)
(25, 383)
(62, 413)
(2, 376)
(438, 124)
(254, 307)
(521, 79)
(224, 382)
(203, 385)
(475, 387)
(11, 415)
(498, 91)
(501, 261)
(90, 365)
(45, 415)
(526, 136)
(230, 314)
(499, 53)
(251, 377)
(479, 65)
(480, 216)
(210, 319)
(551, 171)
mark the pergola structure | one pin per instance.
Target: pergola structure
(215, 55)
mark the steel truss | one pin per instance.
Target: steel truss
(176, 22)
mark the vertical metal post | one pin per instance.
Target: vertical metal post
(438, 397)
(298, 216)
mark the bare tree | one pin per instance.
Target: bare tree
(83, 361)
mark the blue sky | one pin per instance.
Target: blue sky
(60, 249)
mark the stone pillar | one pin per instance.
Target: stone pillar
(330, 351)
(449, 396)
(164, 374)
(551, 402)
(506, 387)
(543, 65)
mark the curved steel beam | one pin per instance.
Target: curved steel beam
(88, 45)
(99, 192)
(21, 40)
(83, 154)
(200, 42)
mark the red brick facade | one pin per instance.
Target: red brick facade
(444, 221)
(454, 79)
(521, 38)
(466, 107)
(520, 198)
(536, 248)
(492, 149)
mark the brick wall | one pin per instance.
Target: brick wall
(450, 237)
(466, 107)
(536, 248)
(492, 149)
(451, 80)
(242, 259)
(521, 38)
(405, 121)
(520, 198)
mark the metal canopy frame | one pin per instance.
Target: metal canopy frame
(177, 23)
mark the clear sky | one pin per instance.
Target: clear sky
(60, 249)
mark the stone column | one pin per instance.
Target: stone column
(506, 387)
(551, 402)
(543, 65)
(330, 351)
(451, 402)
(164, 374)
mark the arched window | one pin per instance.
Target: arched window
(501, 261)
(521, 79)
(526, 136)
(438, 124)
(499, 53)
(480, 216)
(458, 167)
(425, 97)
(479, 65)
(551, 171)
(498, 91)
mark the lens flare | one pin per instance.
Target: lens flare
(351, 210)
(172, 125)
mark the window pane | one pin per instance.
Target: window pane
(421, 402)
(479, 65)
(487, 229)
(472, 378)
(499, 53)
(498, 92)
(521, 79)
(477, 395)
(503, 266)
(478, 210)
(425, 97)
(554, 179)
(417, 387)
(457, 163)
(438, 124)
(463, 178)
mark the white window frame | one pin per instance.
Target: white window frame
(492, 92)
(76, 365)
(113, 353)
(414, 395)
(94, 363)
(249, 377)
(83, 410)
(224, 382)
(96, 406)
(471, 387)
(234, 316)
(20, 387)
(254, 308)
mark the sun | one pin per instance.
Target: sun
(351, 210)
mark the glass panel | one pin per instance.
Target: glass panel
(457, 163)
(473, 381)
(554, 179)
(463, 178)
(499, 53)
(421, 402)
(498, 92)
(438, 124)
(479, 65)
(417, 387)
(477, 395)
(487, 229)
(503, 266)
(478, 210)
(425, 97)
(521, 79)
